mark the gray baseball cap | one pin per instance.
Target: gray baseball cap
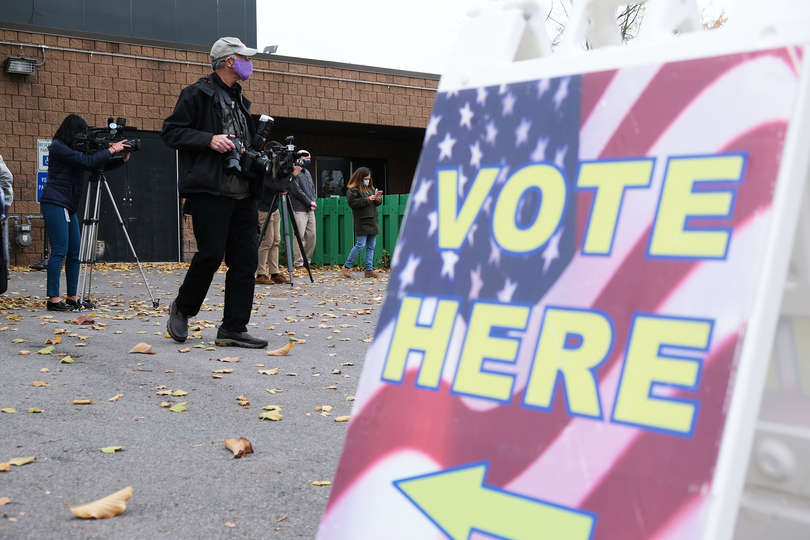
(227, 46)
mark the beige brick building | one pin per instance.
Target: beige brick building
(340, 113)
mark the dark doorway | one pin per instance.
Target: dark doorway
(333, 174)
(145, 192)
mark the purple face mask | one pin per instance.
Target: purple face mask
(243, 68)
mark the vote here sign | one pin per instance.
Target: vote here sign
(567, 301)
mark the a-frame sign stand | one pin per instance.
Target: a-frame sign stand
(583, 313)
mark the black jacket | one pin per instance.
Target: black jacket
(364, 212)
(302, 192)
(196, 118)
(66, 168)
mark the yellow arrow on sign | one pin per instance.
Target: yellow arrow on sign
(458, 502)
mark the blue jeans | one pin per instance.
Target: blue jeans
(64, 236)
(368, 242)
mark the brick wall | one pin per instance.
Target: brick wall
(98, 79)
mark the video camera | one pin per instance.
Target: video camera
(256, 158)
(95, 139)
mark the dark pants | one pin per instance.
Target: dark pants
(65, 237)
(223, 227)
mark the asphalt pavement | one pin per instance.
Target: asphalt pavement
(186, 483)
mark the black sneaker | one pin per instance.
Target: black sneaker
(59, 306)
(239, 339)
(177, 325)
(86, 304)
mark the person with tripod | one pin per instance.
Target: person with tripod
(304, 202)
(60, 200)
(270, 223)
(207, 117)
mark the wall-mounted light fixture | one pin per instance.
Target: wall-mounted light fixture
(270, 49)
(19, 66)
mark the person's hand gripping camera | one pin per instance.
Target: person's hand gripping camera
(120, 147)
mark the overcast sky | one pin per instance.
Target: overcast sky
(413, 35)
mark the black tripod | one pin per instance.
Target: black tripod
(285, 206)
(87, 248)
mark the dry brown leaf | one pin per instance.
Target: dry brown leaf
(282, 518)
(142, 348)
(229, 524)
(216, 376)
(187, 349)
(40, 383)
(82, 402)
(241, 398)
(4, 500)
(4, 467)
(282, 351)
(115, 397)
(54, 341)
(109, 506)
(229, 359)
(239, 447)
(244, 404)
(273, 371)
(326, 408)
(83, 319)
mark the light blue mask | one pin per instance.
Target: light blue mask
(366, 182)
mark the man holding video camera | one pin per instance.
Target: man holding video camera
(209, 115)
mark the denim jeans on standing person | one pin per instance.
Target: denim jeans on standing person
(367, 241)
(64, 236)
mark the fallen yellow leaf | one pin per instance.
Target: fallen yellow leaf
(34, 410)
(25, 352)
(21, 460)
(282, 351)
(4, 500)
(4, 467)
(115, 397)
(229, 524)
(8, 410)
(109, 506)
(239, 447)
(179, 393)
(40, 383)
(229, 359)
(82, 402)
(180, 407)
(342, 419)
(111, 449)
(322, 483)
(66, 360)
(44, 370)
(271, 415)
(187, 349)
(46, 350)
(273, 371)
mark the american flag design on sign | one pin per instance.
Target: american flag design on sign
(614, 472)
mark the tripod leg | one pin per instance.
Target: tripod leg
(285, 220)
(87, 244)
(267, 220)
(300, 242)
(155, 303)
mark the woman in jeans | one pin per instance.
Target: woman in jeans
(363, 199)
(60, 200)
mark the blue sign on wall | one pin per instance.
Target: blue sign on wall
(42, 177)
